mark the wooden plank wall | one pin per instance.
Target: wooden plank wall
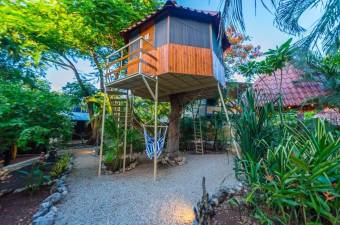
(190, 60)
(173, 58)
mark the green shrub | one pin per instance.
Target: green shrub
(297, 182)
(255, 127)
(35, 178)
(60, 166)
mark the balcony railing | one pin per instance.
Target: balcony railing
(137, 57)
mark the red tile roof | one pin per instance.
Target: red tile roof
(331, 115)
(295, 90)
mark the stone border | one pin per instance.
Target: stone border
(204, 208)
(47, 212)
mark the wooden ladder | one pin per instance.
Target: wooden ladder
(197, 125)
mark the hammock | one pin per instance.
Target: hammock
(149, 142)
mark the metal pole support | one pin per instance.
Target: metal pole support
(228, 121)
(155, 132)
(102, 135)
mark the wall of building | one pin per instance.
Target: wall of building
(182, 46)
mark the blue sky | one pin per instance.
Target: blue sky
(259, 27)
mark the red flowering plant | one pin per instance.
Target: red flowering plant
(240, 51)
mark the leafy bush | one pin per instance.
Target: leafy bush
(31, 116)
(35, 178)
(60, 166)
(255, 127)
(297, 182)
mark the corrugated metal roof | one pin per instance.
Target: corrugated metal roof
(80, 116)
(295, 90)
(214, 16)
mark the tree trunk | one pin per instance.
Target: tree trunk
(93, 139)
(14, 151)
(100, 70)
(176, 104)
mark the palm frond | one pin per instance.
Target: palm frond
(232, 12)
(325, 32)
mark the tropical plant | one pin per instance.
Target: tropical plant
(239, 52)
(287, 17)
(296, 182)
(61, 165)
(254, 127)
(30, 117)
(35, 177)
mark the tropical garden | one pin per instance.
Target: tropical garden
(290, 167)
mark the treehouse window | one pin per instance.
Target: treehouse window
(189, 32)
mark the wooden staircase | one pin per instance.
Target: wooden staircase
(121, 106)
(122, 110)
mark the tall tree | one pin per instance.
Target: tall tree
(60, 32)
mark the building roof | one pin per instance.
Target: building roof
(80, 116)
(331, 115)
(295, 90)
(171, 6)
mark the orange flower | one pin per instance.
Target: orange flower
(328, 196)
(269, 177)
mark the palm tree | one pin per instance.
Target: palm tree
(325, 31)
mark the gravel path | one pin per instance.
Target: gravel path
(133, 198)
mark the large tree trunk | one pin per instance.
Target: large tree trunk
(174, 125)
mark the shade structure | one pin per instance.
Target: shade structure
(193, 87)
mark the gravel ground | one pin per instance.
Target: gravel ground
(133, 198)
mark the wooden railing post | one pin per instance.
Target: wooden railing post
(140, 56)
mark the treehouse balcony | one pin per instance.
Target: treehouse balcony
(137, 57)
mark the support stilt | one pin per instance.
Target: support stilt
(155, 130)
(102, 135)
(228, 121)
(125, 130)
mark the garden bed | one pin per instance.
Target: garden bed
(16, 180)
(23, 190)
(225, 213)
(18, 208)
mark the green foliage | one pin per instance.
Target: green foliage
(144, 110)
(297, 181)
(31, 116)
(288, 13)
(75, 93)
(255, 127)
(275, 59)
(61, 165)
(39, 134)
(35, 178)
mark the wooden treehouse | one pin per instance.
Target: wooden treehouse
(175, 52)
(178, 45)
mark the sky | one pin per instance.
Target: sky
(260, 27)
